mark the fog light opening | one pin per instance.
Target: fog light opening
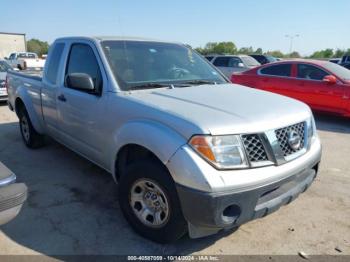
(231, 213)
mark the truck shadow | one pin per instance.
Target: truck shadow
(72, 206)
(332, 123)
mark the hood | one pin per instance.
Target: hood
(224, 109)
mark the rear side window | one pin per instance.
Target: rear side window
(83, 60)
(55, 59)
(310, 72)
(26, 55)
(277, 70)
(222, 61)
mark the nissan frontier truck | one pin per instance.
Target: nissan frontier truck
(191, 152)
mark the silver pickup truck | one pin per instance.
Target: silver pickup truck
(190, 151)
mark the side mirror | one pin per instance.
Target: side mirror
(330, 79)
(80, 81)
(240, 65)
(6, 58)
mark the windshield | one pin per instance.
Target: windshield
(154, 64)
(4, 67)
(338, 70)
(250, 61)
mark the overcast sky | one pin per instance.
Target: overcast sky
(260, 23)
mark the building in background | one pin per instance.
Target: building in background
(12, 42)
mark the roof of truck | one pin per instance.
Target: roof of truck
(116, 38)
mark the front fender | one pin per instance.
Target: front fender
(160, 139)
(32, 102)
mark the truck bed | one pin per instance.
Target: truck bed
(31, 74)
(27, 85)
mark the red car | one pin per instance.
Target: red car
(324, 86)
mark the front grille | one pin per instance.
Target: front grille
(282, 136)
(254, 148)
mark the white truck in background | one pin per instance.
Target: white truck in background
(26, 60)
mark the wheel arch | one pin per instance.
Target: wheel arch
(23, 101)
(140, 139)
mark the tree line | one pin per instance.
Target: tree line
(38, 47)
(221, 48)
(41, 48)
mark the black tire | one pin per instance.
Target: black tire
(175, 226)
(30, 136)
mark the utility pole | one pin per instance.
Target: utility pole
(291, 37)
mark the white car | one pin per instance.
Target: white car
(228, 64)
(26, 60)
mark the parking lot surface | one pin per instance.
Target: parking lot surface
(73, 208)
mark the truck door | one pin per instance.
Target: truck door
(49, 90)
(81, 112)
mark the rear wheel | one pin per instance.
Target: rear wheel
(149, 201)
(30, 136)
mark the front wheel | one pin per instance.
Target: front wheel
(149, 201)
(31, 138)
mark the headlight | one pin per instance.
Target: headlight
(314, 133)
(311, 127)
(225, 152)
(311, 130)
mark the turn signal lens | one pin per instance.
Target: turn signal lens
(201, 144)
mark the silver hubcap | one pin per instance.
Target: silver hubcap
(25, 128)
(149, 203)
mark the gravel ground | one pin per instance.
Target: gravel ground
(72, 206)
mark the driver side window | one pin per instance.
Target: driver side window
(82, 60)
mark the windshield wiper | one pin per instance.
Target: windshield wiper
(148, 86)
(197, 82)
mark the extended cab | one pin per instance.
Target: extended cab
(191, 151)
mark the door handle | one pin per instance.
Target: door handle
(62, 98)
